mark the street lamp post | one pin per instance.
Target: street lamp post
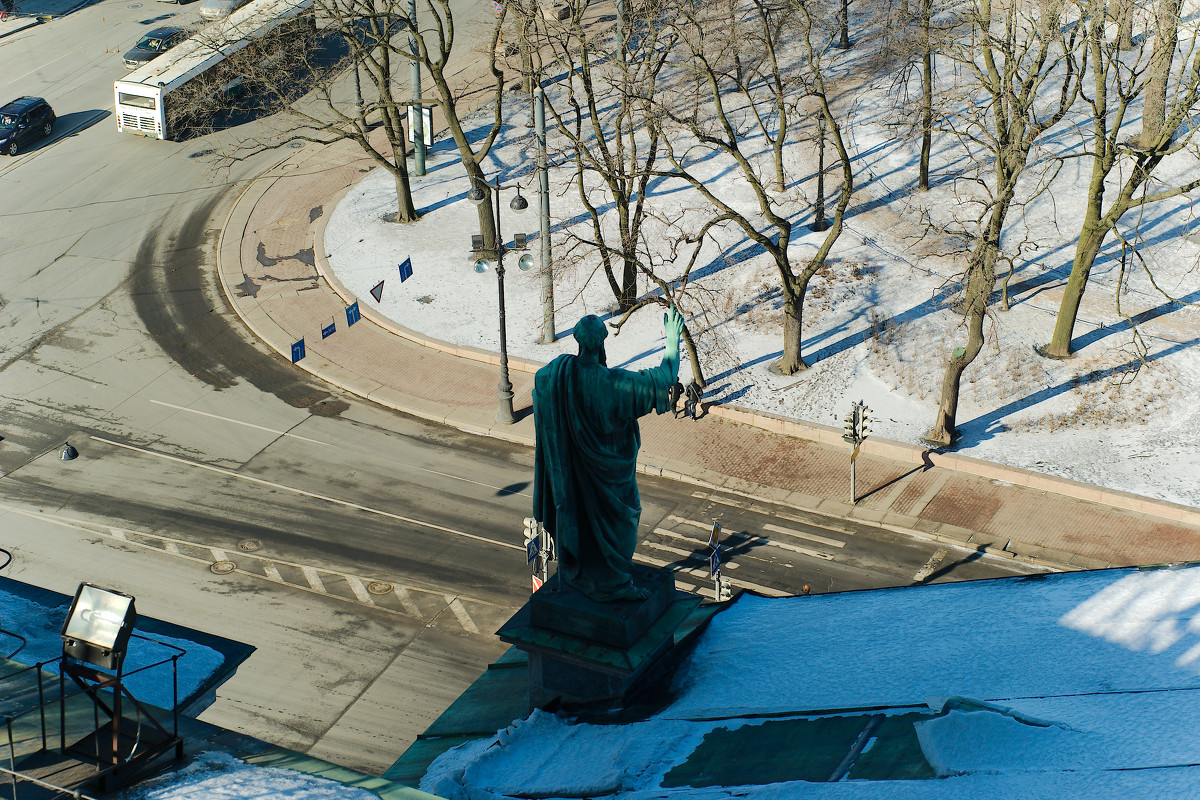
(504, 392)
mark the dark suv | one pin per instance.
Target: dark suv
(23, 121)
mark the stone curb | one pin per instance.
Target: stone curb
(229, 270)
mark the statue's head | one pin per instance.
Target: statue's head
(590, 332)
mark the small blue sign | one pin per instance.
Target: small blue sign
(328, 330)
(352, 314)
(714, 563)
(297, 351)
(405, 270)
(531, 550)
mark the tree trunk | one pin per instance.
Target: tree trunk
(1154, 110)
(1125, 24)
(979, 287)
(1091, 238)
(793, 316)
(689, 345)
(844, 23)
(926, 98)
(487, 221)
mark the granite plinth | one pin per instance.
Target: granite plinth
(574, 669)
(565, 610)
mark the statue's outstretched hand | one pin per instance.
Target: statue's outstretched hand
(672, 324)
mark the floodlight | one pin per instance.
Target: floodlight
(476, 242)
(520, 241)
(476, 195)
(98, 626)
(525, 262)
(482, 264)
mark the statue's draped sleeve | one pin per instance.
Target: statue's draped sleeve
(585, 488)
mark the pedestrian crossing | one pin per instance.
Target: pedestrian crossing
(688, 540)
(429, 606)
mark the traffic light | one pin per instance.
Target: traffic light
(531, 529)
(864, 425)
(851, 434)
(724, 589)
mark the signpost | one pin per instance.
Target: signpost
(539, 550)
(721, 588)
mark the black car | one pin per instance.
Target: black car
(154, 44)
(23, 121)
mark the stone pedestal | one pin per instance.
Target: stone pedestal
(584, 653)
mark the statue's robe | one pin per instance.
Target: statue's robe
(584, 473)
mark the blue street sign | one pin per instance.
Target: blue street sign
(531, 550)
(352, 314)
(297, 351)
(714, 563)
(328, 330)
(405, 270)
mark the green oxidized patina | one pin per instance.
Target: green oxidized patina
(584, 477)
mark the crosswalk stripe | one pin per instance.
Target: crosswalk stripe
(314, 580)
(804, 551)
(272, 573)
(406, 601)
(767, 590)
(463, 618)
(686, 553)
(812, 537)
(360, 591)
(931, 565)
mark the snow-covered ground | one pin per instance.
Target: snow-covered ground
(217, 776)
(878, 323)
(1070, 685)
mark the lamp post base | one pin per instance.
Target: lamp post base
(504, 413)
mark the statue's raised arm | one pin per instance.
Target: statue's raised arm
(584, 477)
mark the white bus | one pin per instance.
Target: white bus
(161, 98)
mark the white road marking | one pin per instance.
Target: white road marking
(705, 526)
(271, 572)
(767, 590)
(746, 505)
(314, 580)
(463, 618)
(812, 537)
(686, 553)
(477, 483)
(406, 601)
(239, 422)
(314, 495)
(360, 591)
(804, 551)
(931, 565)
(218, 555)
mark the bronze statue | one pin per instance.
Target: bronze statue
(584, 472)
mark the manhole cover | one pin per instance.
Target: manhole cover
(249, 545)
(379, 587)
(134, 5)
(222, 567)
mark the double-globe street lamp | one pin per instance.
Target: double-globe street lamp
(477, 195)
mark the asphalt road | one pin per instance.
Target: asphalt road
(372, 556)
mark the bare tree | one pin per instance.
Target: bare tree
(1118, 81)
(1154, 109)
(731, 50)
(599, 113)
(1015, 52)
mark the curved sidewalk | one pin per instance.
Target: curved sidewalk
(274, 272)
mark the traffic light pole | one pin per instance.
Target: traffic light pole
(857, 427)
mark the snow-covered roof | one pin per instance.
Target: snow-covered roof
(1079, 684)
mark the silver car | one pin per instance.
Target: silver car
(219, 9)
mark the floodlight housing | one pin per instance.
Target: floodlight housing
(519, 203)
(476, 195)
(525, 262)
(482, 265)
(98, 626)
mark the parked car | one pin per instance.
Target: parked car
(23, 121)
(154, 44)
(218, 9)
